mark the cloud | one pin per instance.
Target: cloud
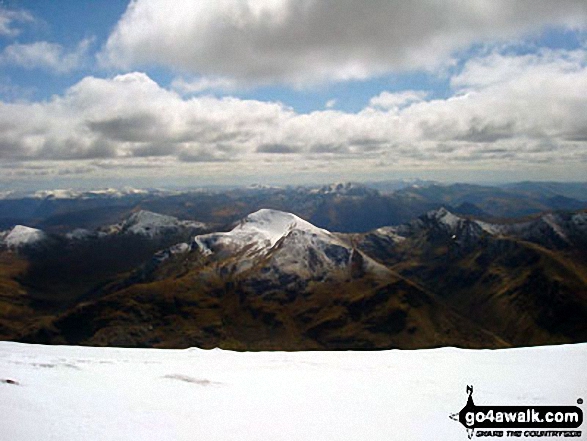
(9, 17)
(278, 148)
(131, 116)
(301, 42)
(202, 84)
(393, 101)
(507, 96)
(506, 109)
(45, 55)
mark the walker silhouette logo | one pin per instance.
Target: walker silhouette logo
(512, 418)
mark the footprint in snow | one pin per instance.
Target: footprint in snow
(187, 379)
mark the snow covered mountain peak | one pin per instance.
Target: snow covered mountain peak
(272, 225)
(344, 188)
(442, 222)
(148, 223)
(282, 243)
(144, 218)
(259, 231)
(553, 230)
(444, 216)
(21, 235)
(88, 194)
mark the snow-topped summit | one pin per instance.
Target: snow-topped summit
(445, 217)
(553, 230)
(78, 194)
(21, 236)
(282, 243)
(344, 188)
(148, 223)
(260, 231)
(441, 223)
(272, 225)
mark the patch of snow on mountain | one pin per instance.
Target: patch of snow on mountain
(163, 255)
(490, 228)
(147, 223)
(79, 234)
(77, 194)
(56, 194)
(553, 222)
(390, 233)
(445, 217)
(579, 221)
(259, 231)
(272, 225)
(21, 235)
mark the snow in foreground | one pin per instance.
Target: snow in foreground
(80, 393)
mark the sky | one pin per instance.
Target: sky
(153, 93)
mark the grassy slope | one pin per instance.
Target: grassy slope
(191, 305)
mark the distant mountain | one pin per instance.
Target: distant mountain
(147, 223)
(568, 190)
(497, 202)
(469, 209)
(91, 194)
(62, 269)
(21, 236)
(341, 207)
(391, 186)
(345, 189)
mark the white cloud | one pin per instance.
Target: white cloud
(9, 17)
(393, 101)
(45, 55)
(535, 96)
(508, 111)
(304, 42)
(131, 116)
(330, 104)
(495, 68)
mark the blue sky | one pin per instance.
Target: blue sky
(154, 93)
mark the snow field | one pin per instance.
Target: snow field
(81, 393)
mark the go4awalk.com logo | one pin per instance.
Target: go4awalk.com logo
(518, 421)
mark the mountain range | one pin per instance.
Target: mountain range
(272, 280)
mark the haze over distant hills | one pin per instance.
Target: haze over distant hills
(345, 207)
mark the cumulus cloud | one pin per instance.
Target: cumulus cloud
(131, 116)
(8, 19)
(304, 42)
(45, 55)
(506, 109)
